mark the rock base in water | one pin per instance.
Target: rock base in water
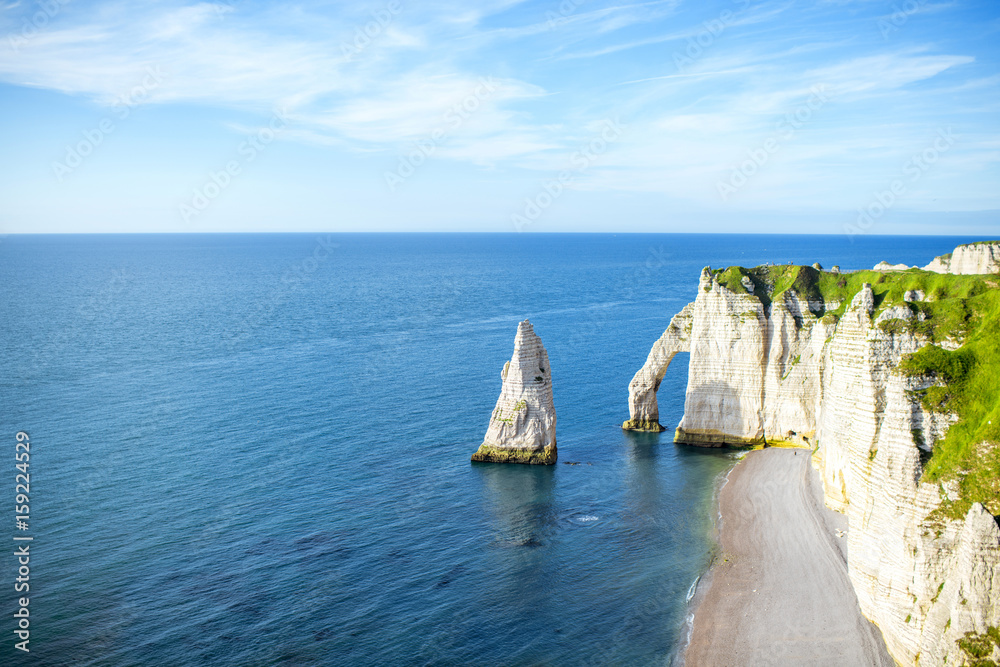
(642, 425)
(711, 438)
(488, 454)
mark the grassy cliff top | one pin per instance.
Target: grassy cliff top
(945, 308)
(957, 308)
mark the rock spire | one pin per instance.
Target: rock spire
(523, 424)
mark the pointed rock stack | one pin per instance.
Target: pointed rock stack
(523, 424)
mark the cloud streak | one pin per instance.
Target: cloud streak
(553, 79)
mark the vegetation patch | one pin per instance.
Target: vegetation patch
(498, 412)
(893, 327)
(978, 647)
(967, 386)
(792, 365)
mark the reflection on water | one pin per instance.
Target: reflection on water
(521, 500)
(643, 485)
(640, 445)
(523, 561)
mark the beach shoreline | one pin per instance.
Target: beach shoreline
(777, 591)
(703, 583)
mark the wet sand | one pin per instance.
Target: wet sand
(778, 593)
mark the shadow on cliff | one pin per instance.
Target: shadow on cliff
(719, 414)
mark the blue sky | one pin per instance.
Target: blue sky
(836, 116)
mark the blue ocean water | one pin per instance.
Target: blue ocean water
(254, 449)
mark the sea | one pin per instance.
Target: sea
(254, 449)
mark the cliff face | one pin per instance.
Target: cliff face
(923, 582)
(971, 259)
(770, 366)
(523, 424)
(745, 356)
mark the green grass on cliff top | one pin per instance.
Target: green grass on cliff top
(963, 308)
(970, 452)
(945, 312)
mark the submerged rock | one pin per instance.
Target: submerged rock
(523, 424)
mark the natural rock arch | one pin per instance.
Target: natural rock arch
(643, 409)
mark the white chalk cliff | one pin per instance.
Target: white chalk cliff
(783, 371)
(523, 424)
(971, 259)
(886, 266)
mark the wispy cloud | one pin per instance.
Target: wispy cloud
(730, 17)
(881, 74)
(360, 80)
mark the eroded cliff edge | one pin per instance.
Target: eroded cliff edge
(969, 259)
(886, 377)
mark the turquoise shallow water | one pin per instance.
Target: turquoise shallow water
(255, 449)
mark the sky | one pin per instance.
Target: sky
(831, 116)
